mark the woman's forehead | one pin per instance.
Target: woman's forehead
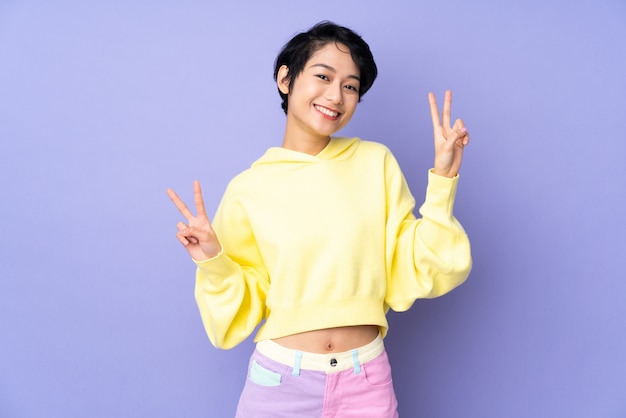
(334, 55)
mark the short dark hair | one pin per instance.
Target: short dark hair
(301, 47)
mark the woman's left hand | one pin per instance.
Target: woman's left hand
(449, 140)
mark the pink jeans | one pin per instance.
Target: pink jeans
(307, 385)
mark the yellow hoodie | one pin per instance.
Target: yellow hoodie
(313, 242)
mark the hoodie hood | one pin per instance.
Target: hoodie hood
(337, 149)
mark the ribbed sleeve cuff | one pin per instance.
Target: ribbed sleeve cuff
(215, 270)
(440, 192)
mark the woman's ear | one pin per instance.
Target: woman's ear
(281, 79)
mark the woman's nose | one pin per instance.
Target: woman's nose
(334, 93)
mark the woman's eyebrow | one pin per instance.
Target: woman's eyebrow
(329, 68)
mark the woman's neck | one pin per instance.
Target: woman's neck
(311, 146)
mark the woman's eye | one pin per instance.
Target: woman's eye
(323, 77)
(349, 87)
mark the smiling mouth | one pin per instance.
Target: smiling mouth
(326, 111)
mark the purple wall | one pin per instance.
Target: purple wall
(104, 107)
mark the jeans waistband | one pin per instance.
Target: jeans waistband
(329, 363)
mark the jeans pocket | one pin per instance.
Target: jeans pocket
(378, 371)
(262, 376)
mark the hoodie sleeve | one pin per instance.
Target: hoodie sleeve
(429, 256)
(231, 287)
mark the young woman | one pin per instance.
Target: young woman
(317, 240)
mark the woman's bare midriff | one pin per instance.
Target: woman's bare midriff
(331, 340)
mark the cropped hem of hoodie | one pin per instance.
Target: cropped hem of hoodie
(314, 242)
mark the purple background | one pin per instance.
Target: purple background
(104, 106)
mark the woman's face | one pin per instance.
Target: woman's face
(323, 98)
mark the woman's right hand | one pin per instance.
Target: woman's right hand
(197, 235)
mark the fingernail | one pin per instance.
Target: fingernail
(463, 129)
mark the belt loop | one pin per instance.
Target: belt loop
(296, 363)
(355, 361)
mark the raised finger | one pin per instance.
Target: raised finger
(447, 105)
(434, 111)
(180, 205)
(197, 197)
